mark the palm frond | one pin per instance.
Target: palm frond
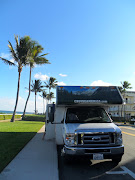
(12, 51)
(41, 60)
(17, 42)
(37, 86)
(50, 96)
(43, 55)
(8, 62)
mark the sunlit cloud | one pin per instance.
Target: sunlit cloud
(42, 77)
(100, 83)
(63, 75)
(61, 83)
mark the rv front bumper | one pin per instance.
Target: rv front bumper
(108, 152)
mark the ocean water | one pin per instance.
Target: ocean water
(11, 112)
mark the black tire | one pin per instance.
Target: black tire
(67, 159)
(116, 160)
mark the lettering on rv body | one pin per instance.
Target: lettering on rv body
(90, 101)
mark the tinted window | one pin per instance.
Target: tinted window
(87, 115)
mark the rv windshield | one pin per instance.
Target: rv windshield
(87, 115)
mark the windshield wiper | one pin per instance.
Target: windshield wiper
(93, 119)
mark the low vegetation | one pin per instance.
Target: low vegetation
(7, 116)
(34, 117)
(13, 137)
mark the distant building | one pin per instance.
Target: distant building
(127, 109)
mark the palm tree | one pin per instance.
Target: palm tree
(52, 83)
(36, 87)
(34, 57)
(50, 96)
(125, 85)
(19, 53)
(44, 96)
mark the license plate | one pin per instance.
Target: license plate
(98, 157)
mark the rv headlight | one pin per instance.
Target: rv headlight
(119, 138)
(69, 139)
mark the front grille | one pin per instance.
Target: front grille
(96, 139)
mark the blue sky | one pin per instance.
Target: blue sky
(91, 42)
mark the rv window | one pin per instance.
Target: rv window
(87, 115)
(49, 109)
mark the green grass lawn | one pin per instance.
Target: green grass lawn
(13, 137)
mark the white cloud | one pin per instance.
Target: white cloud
(61, 83)
(100, 83)
(41, 76)
(26, 90)
(8, 104)
(62, 75)
(39, 98)
(12, 60)
(6, 56)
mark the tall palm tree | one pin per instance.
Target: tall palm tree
(36, 87)
(34, 57)
(44, 96)
(125, 85)
(19, 53)
(52, 83)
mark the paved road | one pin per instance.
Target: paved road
(103, 170)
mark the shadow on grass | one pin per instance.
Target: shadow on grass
(11, 143)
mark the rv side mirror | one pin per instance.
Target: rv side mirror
(62, 121)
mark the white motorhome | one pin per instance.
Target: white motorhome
(80, 123)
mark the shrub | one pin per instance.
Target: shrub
(33, 117)
(7, 116)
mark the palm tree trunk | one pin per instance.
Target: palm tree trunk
(28, 95)
(49, 93)
(43, 105)
(17, 96)
(35, 103)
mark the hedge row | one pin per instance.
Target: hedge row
(33, 117)
(6, 117)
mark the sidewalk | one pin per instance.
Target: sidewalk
(37, 161)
